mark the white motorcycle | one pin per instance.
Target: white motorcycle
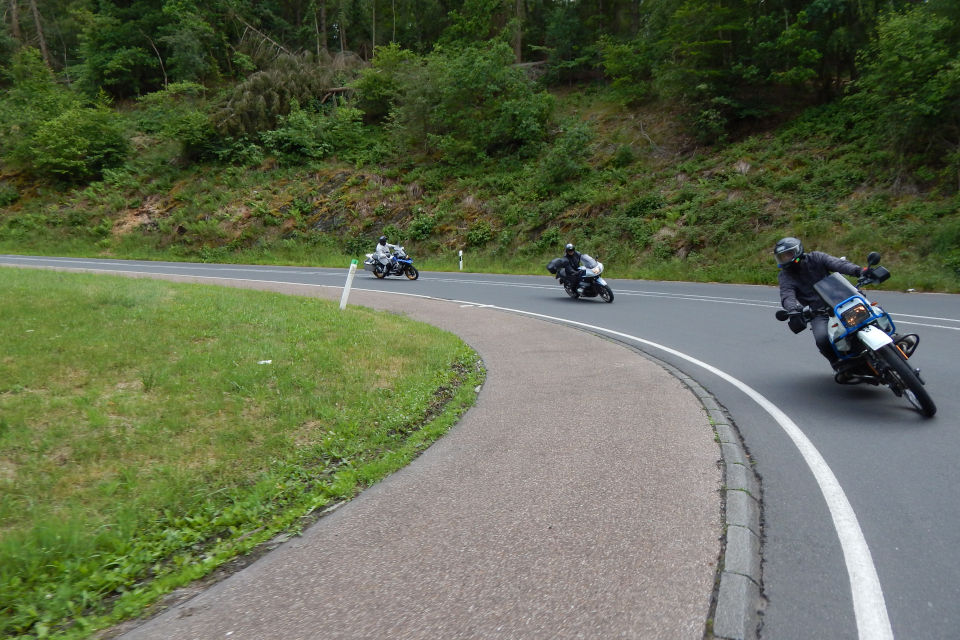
(591, 284)
(865, 339)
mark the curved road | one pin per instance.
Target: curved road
(894, 472)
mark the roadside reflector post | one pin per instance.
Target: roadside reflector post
(461, 259)
(346, 287)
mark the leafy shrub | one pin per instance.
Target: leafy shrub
(378, 87)
(8, 194)
(645, 205)
(422, 226)
(629, 67)
(298, 136)
(623, 156)
(480, 233)
(567, 158)
(78, 145)
(910, 85)
(33, 98)
(469, 103)
(309, 135)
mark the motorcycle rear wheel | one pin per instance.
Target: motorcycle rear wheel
(571, 291)
(907, 380)
(380, 272)
(606, 293)
(411, 272)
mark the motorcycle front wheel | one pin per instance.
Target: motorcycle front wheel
(906, 380)
(411, 272)
(606, 293)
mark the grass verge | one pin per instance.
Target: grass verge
(151, 431)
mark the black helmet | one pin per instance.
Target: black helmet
(569, 248)
(788, 251)
(383, 240)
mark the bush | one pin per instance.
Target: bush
(422, 226)
(567, 157)
(309, 135)
(470, 103)
(479, 234)
(8, 194)
(910, 86)
(78, 145)
(378, 87)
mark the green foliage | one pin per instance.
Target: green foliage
(422, 226)
(478, 21)
(8, 194)
(78, 145)
(629, 67)
(910, 89)
(566, 159)
(378, 87)
(298, 136)
(470, 103)
(33, 98)
(479, 234)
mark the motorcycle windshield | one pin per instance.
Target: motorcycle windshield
(587, 261)
(834, 289)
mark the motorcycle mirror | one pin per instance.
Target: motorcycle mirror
(873, 258)
(782, 314)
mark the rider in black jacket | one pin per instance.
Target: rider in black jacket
(798, 273)
(572, 266)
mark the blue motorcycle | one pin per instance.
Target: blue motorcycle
(865, 339)
(400, 265)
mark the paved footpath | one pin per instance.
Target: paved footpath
(546, 512)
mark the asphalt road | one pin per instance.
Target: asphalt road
(861, 520)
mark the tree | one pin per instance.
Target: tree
(910, 85)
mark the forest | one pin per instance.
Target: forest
(509, 100)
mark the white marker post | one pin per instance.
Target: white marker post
(346, 287)
(461, 259)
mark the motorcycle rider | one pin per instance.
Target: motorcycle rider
(384, 253)
(799, 271)
(572, 266)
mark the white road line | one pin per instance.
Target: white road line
(869, 607)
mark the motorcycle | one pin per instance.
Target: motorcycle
(400, 265)
(591, 284)
(865, 339)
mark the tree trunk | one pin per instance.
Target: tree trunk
(43, 41)
(323, 24)
(15, 21)
(518, 36)
(373, 27)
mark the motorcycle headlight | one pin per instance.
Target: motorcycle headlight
(855, 315)
(597, 270)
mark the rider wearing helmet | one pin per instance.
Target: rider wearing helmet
(384, 252)
(799, 271)
(572, 266)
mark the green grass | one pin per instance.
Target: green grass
(145, 439)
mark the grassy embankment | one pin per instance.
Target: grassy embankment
(640, 195)
(152, 431)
